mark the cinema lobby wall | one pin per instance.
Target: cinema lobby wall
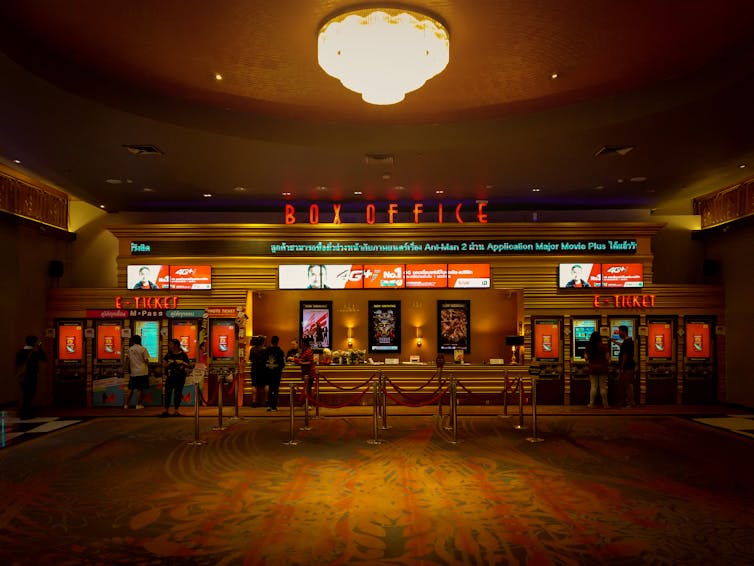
(522, 286)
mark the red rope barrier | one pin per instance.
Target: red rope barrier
(367, 382)
(430, 401)
(430, 380)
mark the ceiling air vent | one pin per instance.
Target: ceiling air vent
(379, 159)
(144, 150)
(614, 150)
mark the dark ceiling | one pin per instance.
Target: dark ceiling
(81, 79)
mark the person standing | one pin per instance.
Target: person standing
(597, 353)
(627, 367)
(27, 371)
(293, 351)
(258, 362)
(176, 363)
(306, 361)
(138, 360)
(274, 367)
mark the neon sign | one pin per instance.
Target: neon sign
(417, 213)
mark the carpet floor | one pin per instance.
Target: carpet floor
(602, 489)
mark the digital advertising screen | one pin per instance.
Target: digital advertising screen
(698, 340)
(620, 275)
(582, 331)
(453, 326)
(547, 339)
(320, 276)
(190, 277)
(578, 275)
(148, 277)
(388, 276)
(222, 339)
(384, 326)
(316, 323)
(149, 330)
(70, 342)
(427, 276)
(109, 344)
(469, 275)
(186, 331)
(659, 340)
(615, 346)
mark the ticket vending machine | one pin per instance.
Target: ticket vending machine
(223, 350)
(151, 339)
(547, 359)
(662, 378)
(581, 330)
(69, 371)
(699, 371)
(108, 371)
(187, 332)
(614, 390)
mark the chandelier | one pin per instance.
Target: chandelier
(384, 53)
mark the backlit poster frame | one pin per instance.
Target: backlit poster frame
(222, 337)
(698, 340)
(546, 336)
(109, 348)
(315, 323)
(660, 344)
(384, 326)
(70, 341)
(187, 332)
(579, 340)
(454, 326)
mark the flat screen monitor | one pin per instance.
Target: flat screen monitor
(388, 276)
(149, 330)
(469, 275)
(547, 339)
(582, 331)
(320, 276)
(70, 341)
(660, 340)
(222, 339)
(619, 275)
(427, 276)
(190, 277)
(698, 340)
(578, 275)
(186, 331)
(109, 342)
(143, 277)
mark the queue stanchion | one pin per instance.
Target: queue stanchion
(197, 441)
(505, 396)
(453, 409)
(375, 414)
(316, 396)
(220, 380)
(236, 380)
(306, 405)
(383, 400)
(520, 425)
(534, 438)
(292, 399)
(439, 385)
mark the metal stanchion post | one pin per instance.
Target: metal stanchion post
(292, 441)
(453, 409)
(383, 400)
(534, 437)
(196, 441)
(520, 425)
(306, 405)
(220, 379)
(236, 380)
(375, 413)
(505, 396)
(439, 384)
(316, 396)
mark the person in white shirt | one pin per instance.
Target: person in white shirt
(138, 359)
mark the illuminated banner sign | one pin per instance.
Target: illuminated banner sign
(304, 248)
(393, 213)
(624, 301)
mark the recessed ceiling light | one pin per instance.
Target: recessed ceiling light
(619, 180)
(286, 194)
(148, 189)
(599, 187)
(637, 179)
(18, 161)
(207, 195)
(554, 76)
(439, 192)
(742, 166)
(357, 193)
(536, 190)
(387, 176)
(218, 77)
(102, 206)
(321, 188)
(399, 188)
(239, 189)
(114, 181)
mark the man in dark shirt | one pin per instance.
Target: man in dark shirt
(627, 367)
(27, 366)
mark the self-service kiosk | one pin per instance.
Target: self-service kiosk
(108, 364)
(614, 389)
(223, 360)
(69, 371)
(581, 330)
(187, 331)
(152, 340)
(699, 371)
(662, 378)
(547, 359)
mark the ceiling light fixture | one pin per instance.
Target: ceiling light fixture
(383, 54)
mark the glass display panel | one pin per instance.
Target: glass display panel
(698, 340)
(389, 276)
(148, 277)
(547, 339)
(320, 276)
(427, 275)
(190, 277)
(578, 275)
(622, 275)
(469, 275)
(660, 340)
(582, 330)
(222, 339)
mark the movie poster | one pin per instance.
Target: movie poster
(454, 326)
(384, 326)
(316, 323)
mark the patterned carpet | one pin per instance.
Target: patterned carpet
(604, 489)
